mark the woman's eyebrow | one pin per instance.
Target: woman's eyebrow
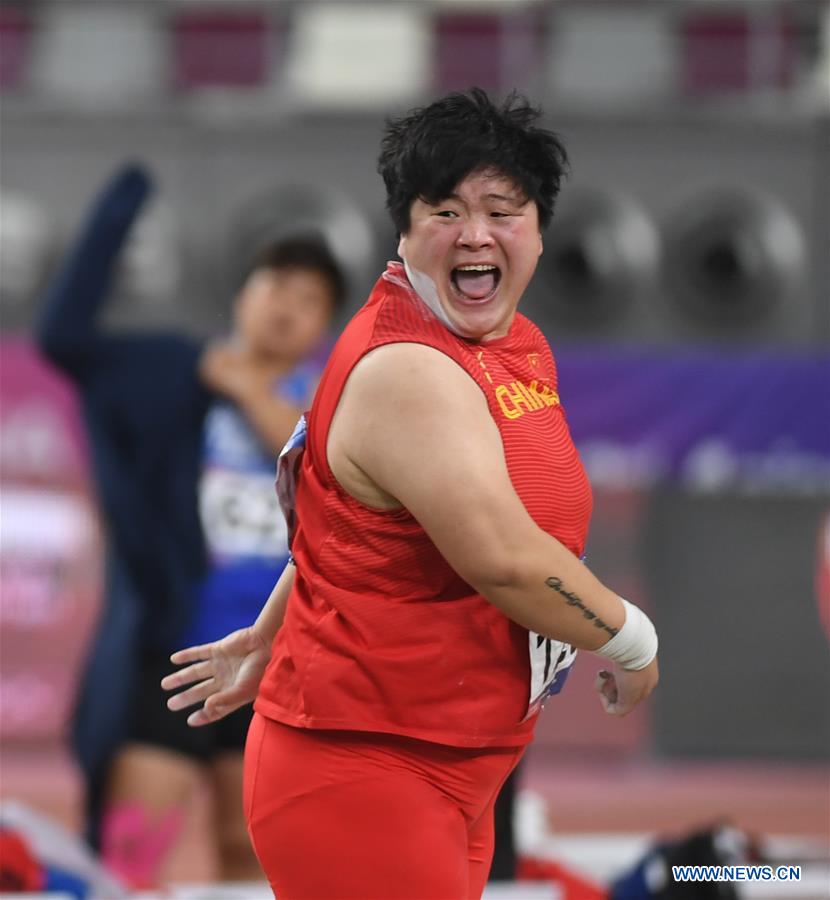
(499, 198)
(513, 199)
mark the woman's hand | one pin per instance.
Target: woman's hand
(225, 369)
(223, 675)
(620, 691)
(251, 385)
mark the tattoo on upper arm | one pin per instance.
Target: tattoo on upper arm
(572, 600)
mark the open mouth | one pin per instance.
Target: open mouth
(475, 282)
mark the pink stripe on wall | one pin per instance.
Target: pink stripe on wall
(497, 52)
(15, 32)
(739, 51)
(221, 49)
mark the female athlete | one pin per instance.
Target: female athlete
(437, 596)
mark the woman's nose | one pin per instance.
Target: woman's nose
(475, 233)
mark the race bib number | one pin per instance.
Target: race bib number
(288, 473)
(240, 515)
(550, 665)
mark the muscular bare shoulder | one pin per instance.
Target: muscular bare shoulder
(397, 394)
(413, 374)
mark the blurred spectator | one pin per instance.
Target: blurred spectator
(184, 439)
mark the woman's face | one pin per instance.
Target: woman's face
(479, 249)
(283, 314)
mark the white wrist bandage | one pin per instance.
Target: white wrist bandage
(634, 646)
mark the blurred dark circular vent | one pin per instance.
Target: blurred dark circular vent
(732, 258)
(601, 254)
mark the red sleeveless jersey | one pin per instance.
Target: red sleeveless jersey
(380, 634)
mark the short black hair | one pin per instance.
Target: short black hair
(303, 251)
(427, 152)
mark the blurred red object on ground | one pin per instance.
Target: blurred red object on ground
(20, 872)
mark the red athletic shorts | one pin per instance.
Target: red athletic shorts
(335, 815)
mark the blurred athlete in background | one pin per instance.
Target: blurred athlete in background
(437, 595)
(184, 438)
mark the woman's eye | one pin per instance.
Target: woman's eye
(499, 215)
(447, 213)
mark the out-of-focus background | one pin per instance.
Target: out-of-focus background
(685, 288)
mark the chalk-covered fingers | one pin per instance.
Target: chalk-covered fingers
(196, 694)
(193, 654)
(212, 711)
(223, 675)
(621, 690)
(197, 672)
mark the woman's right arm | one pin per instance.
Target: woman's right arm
(225, 675)
(270, 620)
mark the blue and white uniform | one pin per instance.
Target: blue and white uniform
(244, 528)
